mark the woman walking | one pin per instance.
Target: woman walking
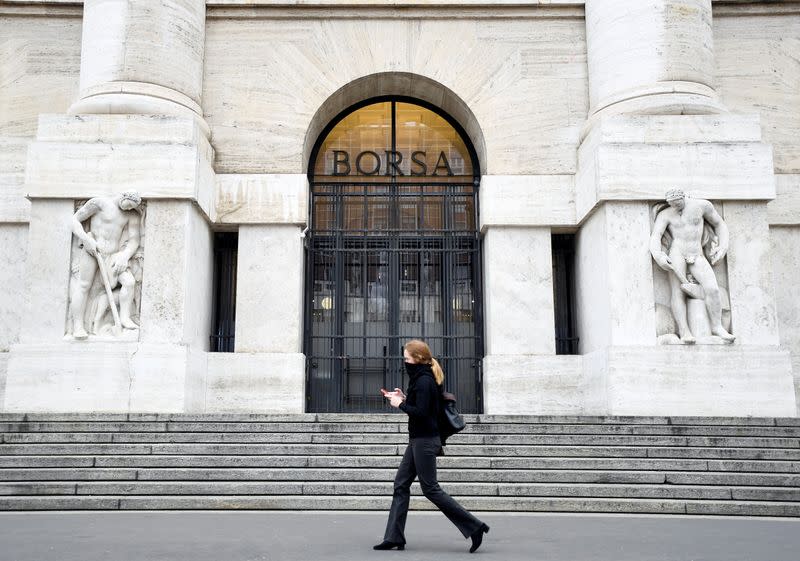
(421, 402)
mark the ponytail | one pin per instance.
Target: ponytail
(438, 374)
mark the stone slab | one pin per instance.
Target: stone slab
(97, 377)
(518, 277)
(269, 291)
(47, 271)
(640, 157)
(750, 278)
(261, 199)
(99, 155)
(3, 375)
(730, 380)
(733, 170)
(255, 382)
(533, 384)
(527, 200)
(14, 207)
(785, 209)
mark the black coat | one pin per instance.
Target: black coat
(422, 402)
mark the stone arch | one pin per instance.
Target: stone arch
(400, 84)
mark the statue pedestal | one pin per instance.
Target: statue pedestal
(697, 316)
(692, 380)
(86, 376)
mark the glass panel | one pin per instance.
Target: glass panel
(426, 146)
(430, 146)
(357, 145)
(377, 287)
(324, 218)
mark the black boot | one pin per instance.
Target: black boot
(477, 537)
(386, 544)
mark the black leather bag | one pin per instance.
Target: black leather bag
(450, 420)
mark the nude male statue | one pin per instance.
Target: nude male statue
(109, 218)
(684, 221)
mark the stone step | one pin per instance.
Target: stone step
(666, 478)
(461, 445)
(392, 417)
(385, 488)
(401, 427)
(735, 466)
(390, 438)
(333, 502)
(79, 460)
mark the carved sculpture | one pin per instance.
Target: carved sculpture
(107, 266)
(688, 238)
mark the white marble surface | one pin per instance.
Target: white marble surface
(255, 383)
(261, 199)
(785, 209)
(3, 374)
(613, 278)
(96, 155)
(523, 78)
(534, 385)
(14, 207)
(785, 241)
(156, 42)
(40, 64)
(729, 164)
(518, 291)
(269, 292)
(527, 200)
(640, 48)
(176, 287)
(592, 305)
(700, 380)
(13, 255)
(46, 277)
(757, 72)
(750, 281)
(77, 376)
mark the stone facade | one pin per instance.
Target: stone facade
(582, 114)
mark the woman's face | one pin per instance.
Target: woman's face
(408, 358)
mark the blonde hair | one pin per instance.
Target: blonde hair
(421, 352)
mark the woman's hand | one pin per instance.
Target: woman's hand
(396, 400)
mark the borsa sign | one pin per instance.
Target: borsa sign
(369, 162)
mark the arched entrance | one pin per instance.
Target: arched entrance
(393, 253)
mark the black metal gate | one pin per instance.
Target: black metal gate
(391, 258)
(393, 253)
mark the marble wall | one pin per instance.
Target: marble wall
(524, 78)
(40, 59)
(13, 255)
(785, 242)
(758, 72)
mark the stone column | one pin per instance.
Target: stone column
(654, 124)
(650, 57)
(142, 57)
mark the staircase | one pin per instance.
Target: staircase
(665, 465)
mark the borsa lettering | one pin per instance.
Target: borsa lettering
(369, 162)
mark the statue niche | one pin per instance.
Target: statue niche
(689, 242)
(106, 268)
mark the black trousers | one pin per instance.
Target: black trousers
(420, 460)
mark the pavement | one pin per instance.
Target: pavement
(312, 536)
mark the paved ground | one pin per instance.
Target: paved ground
(303, 536)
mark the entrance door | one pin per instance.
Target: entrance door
(393, 253)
